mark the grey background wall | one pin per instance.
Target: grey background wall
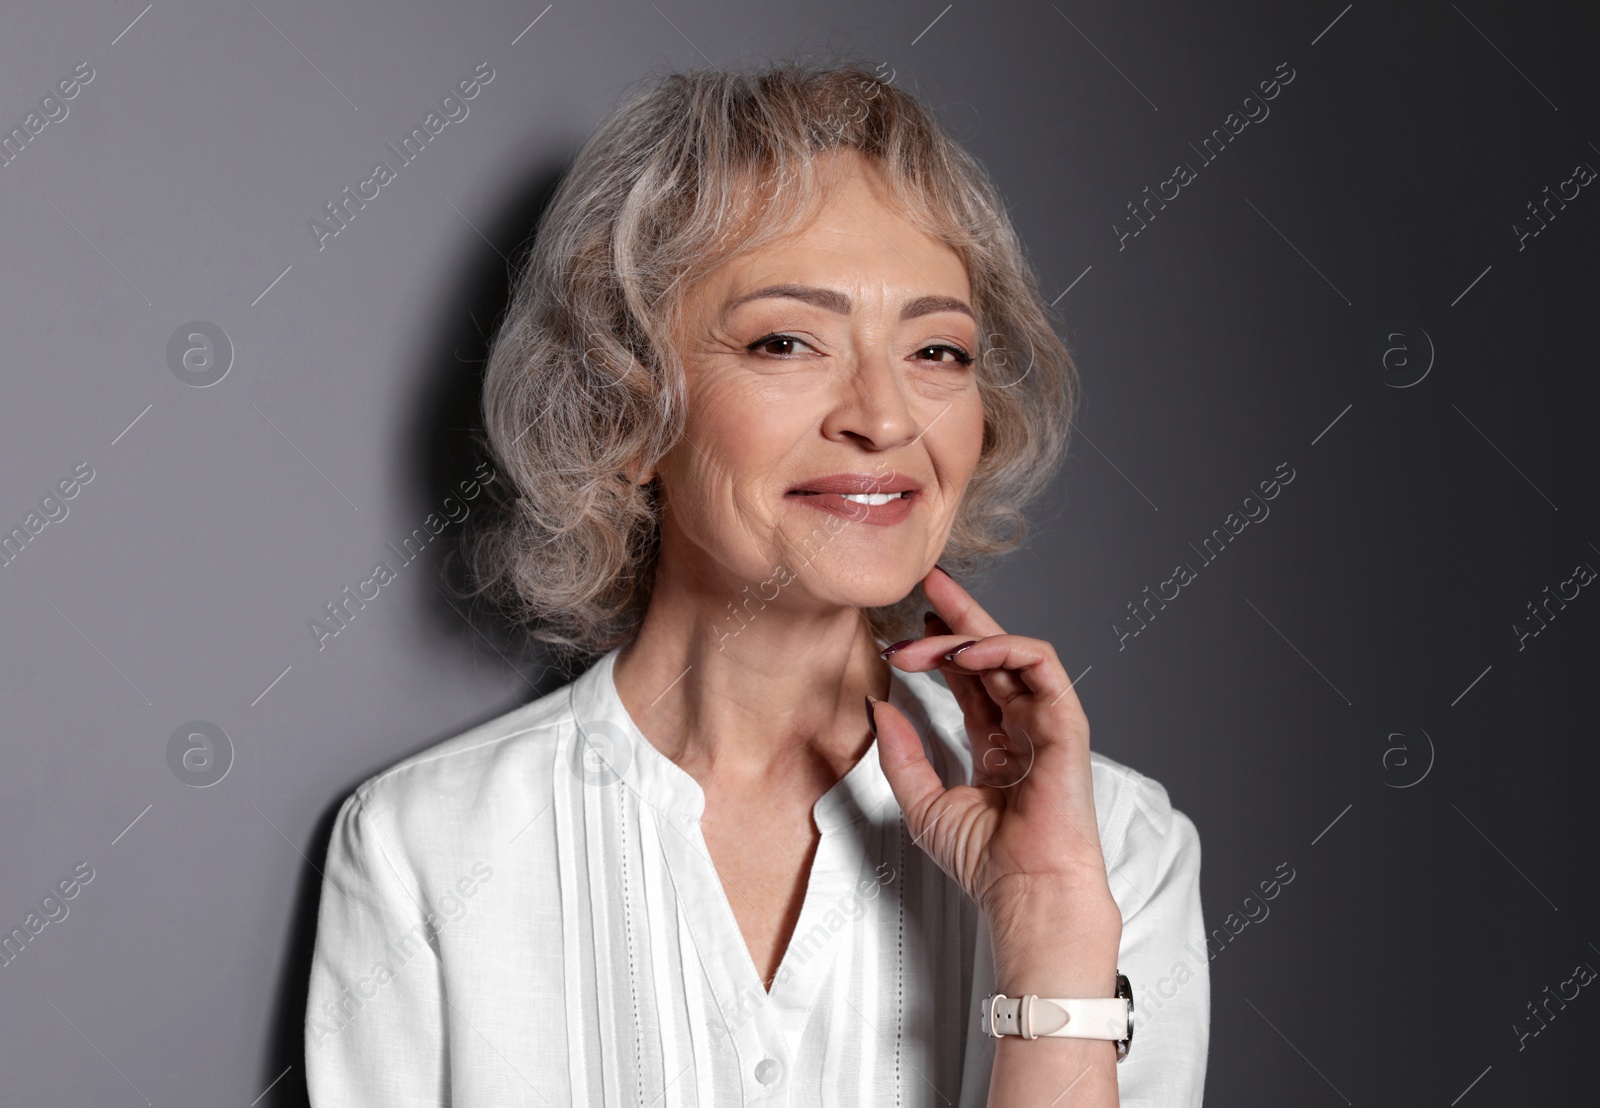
(1382, 286)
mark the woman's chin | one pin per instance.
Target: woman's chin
(872, 591)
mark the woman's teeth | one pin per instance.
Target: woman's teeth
(873, 498)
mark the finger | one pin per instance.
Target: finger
(967, 687)
(993, 761)
(934, 652)
(997, 759)
(926, 653)
(964, 615)
(912, 779)
(1032, 661)
(978, 709)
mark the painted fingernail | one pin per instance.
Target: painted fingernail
(927, 616)
(946, 572)
(872, 723)
(950, 657)
(902, 644)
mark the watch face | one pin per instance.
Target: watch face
(1125, 990)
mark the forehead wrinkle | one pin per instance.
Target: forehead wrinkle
(886, 240)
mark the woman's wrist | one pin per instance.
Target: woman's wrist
(1056, 942)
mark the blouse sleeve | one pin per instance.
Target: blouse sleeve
(1153, 865)
(375, 1013)
(1154, 873)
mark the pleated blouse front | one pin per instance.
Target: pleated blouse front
(527, 914)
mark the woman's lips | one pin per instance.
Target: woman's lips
(879, 515)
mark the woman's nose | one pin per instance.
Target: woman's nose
(872, 406)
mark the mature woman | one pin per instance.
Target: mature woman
(777, 359)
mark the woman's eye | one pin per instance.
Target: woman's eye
(937, 352)
(778, 345)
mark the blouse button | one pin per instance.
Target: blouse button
(767, 1070)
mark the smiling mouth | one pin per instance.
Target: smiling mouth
(870, 498)
(877, 509)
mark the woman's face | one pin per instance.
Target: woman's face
(834, 416)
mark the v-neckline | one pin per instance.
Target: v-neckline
(835, 867)
(662, 783)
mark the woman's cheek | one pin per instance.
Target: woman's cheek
(753, 427)
(956, 441)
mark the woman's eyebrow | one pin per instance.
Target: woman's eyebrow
(927, 305)
(837, 302)
(827, 299)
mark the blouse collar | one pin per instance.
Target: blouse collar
(660, 782)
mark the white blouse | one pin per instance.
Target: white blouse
(523, 916)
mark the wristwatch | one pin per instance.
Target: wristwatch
(1031, 1016)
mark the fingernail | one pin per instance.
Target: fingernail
(946, 572)
(897, 646)
(872, 723)
(950, 657)
(926, 616)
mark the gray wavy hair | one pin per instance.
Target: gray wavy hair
(584, 387)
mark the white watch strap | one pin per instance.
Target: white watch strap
(1032, 1016)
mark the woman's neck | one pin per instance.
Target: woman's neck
(748, 698)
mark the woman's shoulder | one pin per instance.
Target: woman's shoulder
(1137, 809)
(475, 782)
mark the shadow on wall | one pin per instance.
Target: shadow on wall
(447, 418)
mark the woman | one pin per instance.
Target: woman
(776, 359)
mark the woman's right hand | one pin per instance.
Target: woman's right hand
(1022, 840)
